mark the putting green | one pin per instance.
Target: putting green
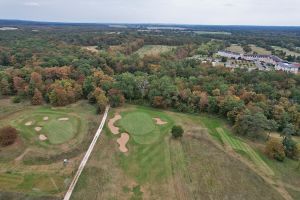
(56, 130)
(137, 123)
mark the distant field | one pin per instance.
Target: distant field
(190, 168)
(288, 52)
(91, 48)
(154, 50)
(212, 33)
(238, 49)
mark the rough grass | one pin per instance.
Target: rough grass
(237, 144)
(154, 50)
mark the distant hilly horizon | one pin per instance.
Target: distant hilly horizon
(11, 22)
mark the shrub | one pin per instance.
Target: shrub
(275, 149)
(8, 135)
(177, 131)
(290, 148)
(16, 99)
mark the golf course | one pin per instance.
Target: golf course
(33, 165)
(157, 166)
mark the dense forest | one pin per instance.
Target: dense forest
(50, 65)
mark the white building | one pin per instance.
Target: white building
(270, 59)
(288, 67)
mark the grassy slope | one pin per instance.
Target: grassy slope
(190, 168)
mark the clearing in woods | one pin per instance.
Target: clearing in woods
(154, 50)
(157, 166)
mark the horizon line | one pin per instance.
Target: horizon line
(142, 23)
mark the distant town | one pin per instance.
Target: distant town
(257, 61)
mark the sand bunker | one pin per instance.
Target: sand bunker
(63, 119)
(159, 121)
(111, 126)
(42, 137)
(45, 118)
(28, 123)
(122, 141)
(38, 129)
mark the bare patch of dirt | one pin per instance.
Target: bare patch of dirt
(63, 119)
(28, 123)
(122, 141)
(42, 137)
(38, 129)
(45, 118)
(111, 126)
(159, 121)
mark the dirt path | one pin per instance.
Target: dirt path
(276, 184)
(86, 156)
(111, 124)
(20, 157)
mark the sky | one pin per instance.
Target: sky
(204, 12)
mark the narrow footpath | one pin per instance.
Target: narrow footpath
(86, 156)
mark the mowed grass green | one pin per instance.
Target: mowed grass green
(55, 130)
(148, 159)
(137, 123)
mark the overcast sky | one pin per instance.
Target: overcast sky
(223, 12)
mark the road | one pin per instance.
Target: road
(86, 156)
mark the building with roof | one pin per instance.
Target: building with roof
(288, 67)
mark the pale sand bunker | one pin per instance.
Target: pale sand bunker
(122, 141)
(111, 126)
(63, 119)
(45, 118)
(38, 129)
(42, 137)
(159, 121)
(28, 123)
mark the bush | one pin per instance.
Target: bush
(290, 148)
(16, 99)
(177, 131)
(8, 135)
(275, 149)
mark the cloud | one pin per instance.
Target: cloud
(32, 4)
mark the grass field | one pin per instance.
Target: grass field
(189, 168)
(154, 50)
(288, 52)
(212, 33)
(33, 169)
(238, 49)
